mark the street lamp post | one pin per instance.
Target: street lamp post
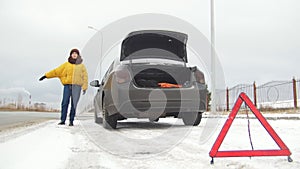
(212, 54)
(91, 27)
(101, 45)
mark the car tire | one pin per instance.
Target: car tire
(153, 120)
(192, 118)
(109, 122)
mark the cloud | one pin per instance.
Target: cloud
(36, 36)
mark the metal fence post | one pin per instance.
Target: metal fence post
(295, 92)
(227, 99)
(254, 94)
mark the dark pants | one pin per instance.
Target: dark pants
(73, 92)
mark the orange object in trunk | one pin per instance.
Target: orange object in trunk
(169, 85)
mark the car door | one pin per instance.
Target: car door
(101, 90)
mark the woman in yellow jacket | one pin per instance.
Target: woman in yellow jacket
(73, 76)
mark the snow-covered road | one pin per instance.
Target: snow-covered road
(141, 145)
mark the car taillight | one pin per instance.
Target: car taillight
(199, 76)
(122, 76)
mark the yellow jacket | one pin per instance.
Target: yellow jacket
(70, 74)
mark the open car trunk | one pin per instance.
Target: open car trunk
(155, 44)
(160, 76)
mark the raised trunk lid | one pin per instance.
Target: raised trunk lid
(155, 44)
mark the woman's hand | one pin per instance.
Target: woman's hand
(42, 78)
(83, 92)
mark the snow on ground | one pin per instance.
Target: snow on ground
(88, 146)
(47, 147)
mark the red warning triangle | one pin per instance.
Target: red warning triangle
(214, 152)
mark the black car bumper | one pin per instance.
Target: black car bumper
(133, 102)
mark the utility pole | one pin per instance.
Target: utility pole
(91, 27)
(212, 54)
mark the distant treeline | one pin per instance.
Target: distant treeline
(21, 108)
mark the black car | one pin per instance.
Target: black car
(151, 80)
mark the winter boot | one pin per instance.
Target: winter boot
(61, 123)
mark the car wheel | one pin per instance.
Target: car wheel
(109, 122)
(153, 120)
(192, 118)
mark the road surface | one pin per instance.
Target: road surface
(137, 144)
(12, 119)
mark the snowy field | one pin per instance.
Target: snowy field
(141, 145)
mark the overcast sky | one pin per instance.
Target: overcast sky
(255, 40)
